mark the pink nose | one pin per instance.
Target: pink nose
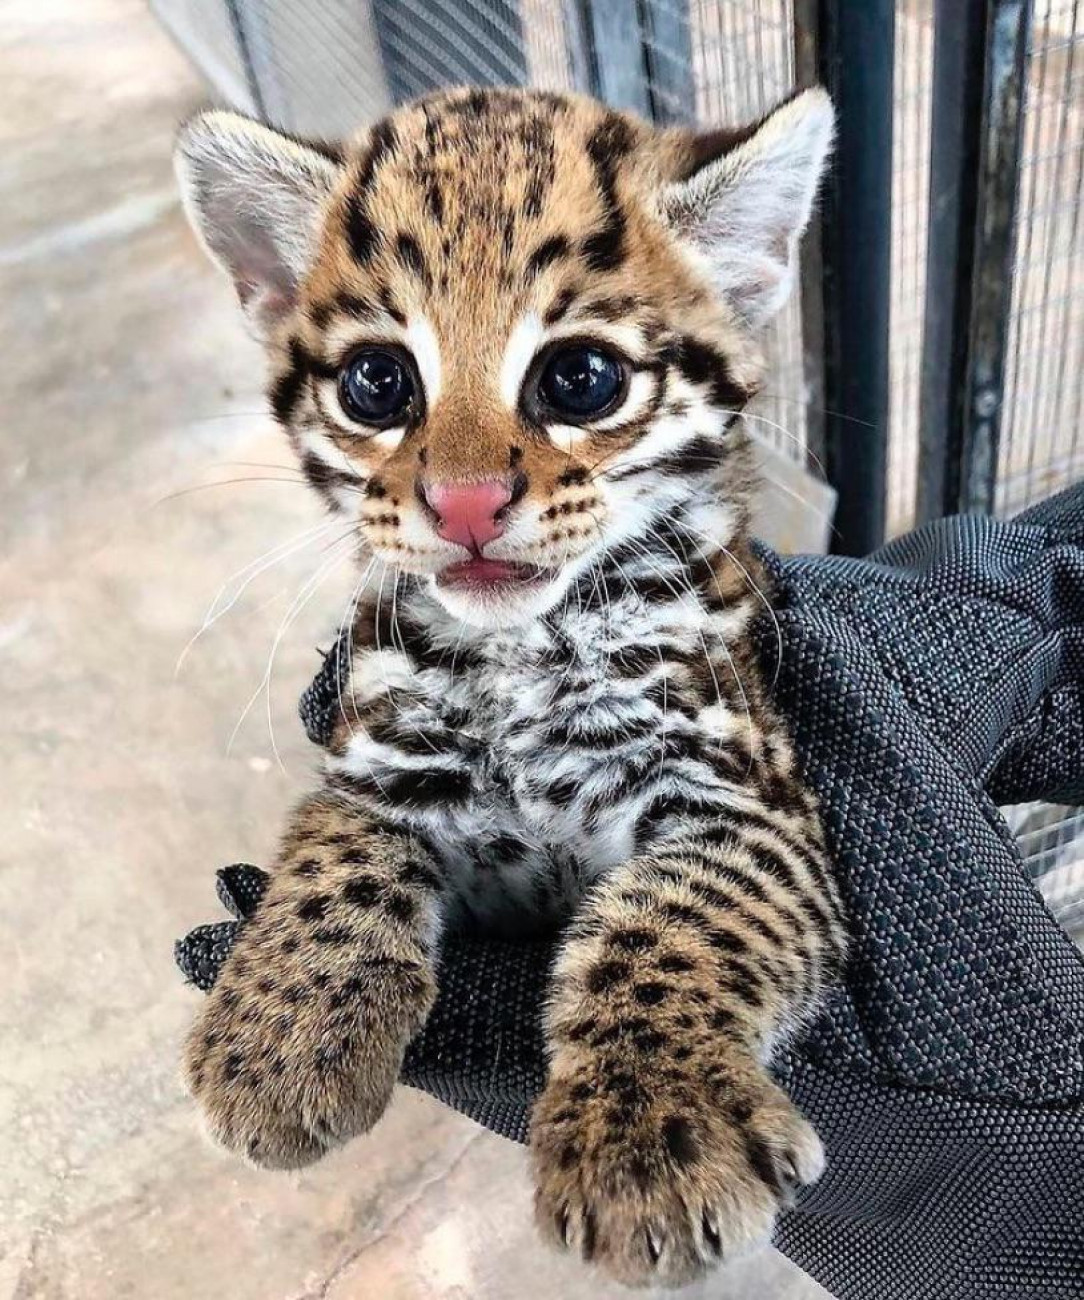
(467, 512)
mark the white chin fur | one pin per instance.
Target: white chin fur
(504, 608)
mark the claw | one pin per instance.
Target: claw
(711, 1234)
(587, 1245)
(655, 1242)
(789, 1178)
(564, 1225)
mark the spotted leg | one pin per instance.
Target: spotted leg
(661, 1144)
(300, 1042)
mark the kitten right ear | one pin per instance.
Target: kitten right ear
(255, 198)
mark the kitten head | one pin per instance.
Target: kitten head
(511, 331)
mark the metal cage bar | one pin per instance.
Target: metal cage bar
(855, 52)
(639, 55)
(979, 65)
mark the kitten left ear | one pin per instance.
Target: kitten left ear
(256, 199)
(748, 198)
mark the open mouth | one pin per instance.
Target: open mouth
(480, 574)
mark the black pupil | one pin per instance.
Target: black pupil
(376, 387)
(580, 381)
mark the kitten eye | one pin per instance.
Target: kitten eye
(376, 387)
(581, 382)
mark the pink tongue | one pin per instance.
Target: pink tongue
(481, 571)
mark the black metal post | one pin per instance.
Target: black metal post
(638, 56)
(980, 53)
(855, 57)
(244, 51)
(669, 54)
(616, 54)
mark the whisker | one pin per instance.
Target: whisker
(228, 482)
(350, 612)
(823, 515)
(455, 652)
(396, 631)
(823, 410)
(308, 590)
(707, 653)
(335, 561)
(685, 527)
(253, 570)
(780, 428)
(255, 464)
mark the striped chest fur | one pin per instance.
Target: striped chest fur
(533, 761)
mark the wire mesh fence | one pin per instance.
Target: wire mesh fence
(912, 93)
(1042, 448)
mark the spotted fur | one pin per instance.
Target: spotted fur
(596, 751)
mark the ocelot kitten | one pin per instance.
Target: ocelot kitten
(511, 335)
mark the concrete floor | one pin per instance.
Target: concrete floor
(127, 388)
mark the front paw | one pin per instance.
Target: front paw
(658, 1170)
(288, 1064)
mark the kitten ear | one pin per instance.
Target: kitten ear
(255, 199)
(747, 197)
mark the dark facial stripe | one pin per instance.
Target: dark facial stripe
(604, 249)
(387, 301)
(559, 307)
(702, 364)
(683, 462)
(288, 387)
(545, 255)
(325, 478)
(411, 258)
(343, 304)
(613, 309)
(537, 135)
(361, 234)
(699, 456)
(382, 144)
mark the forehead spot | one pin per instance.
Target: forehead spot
(522, 345)
(422, 340)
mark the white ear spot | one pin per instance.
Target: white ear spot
(741, 214)
(422, 340)
(522, 345)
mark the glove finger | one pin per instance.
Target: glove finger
(240, 888)
(202, 953)
(320, 707)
